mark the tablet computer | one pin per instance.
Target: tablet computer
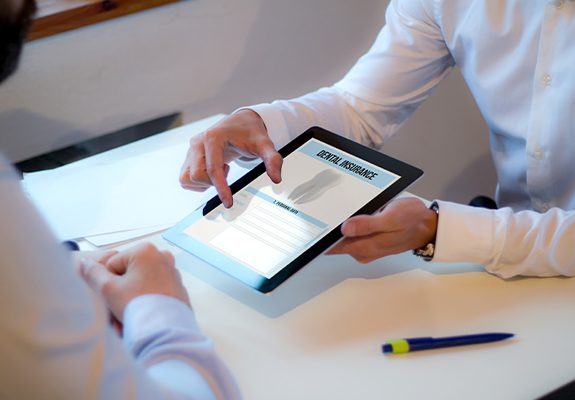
(273, 230)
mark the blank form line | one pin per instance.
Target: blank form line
(256, 235)
(280, 215)
(264, 231)
(275, 225)
(301, 225)
(239, 228)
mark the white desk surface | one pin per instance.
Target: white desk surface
(319, 335)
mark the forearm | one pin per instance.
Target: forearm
(508, 244)
(329, 108)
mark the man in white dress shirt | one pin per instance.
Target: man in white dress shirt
(516, 57)
(56, 341)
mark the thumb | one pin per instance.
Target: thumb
(363, 225)
(95, 274)
(272, 160)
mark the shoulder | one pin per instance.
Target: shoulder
(437, 12)
(420, 10)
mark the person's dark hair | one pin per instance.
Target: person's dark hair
(14, 26)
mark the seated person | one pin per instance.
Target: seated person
(504, 50)
(56, 341)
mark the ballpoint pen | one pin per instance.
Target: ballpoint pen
(398, 346)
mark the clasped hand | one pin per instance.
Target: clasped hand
(119, 277)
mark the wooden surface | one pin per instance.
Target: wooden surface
(56, 16)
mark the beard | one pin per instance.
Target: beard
(13, 30)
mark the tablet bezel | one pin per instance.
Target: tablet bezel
(407, 175)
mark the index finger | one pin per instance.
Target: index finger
(216, 169)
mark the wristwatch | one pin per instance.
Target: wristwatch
(427, 252)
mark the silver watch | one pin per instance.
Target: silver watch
(428, 251)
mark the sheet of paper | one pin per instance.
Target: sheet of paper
(118, 237)
(134, 193)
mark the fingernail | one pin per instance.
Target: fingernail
(348, 229)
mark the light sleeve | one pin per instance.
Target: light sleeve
(406, 62)
(508, 244)
(163, 335)
(55, 332)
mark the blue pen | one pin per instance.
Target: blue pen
(398, 346)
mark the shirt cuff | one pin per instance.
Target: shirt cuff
(148, 315)
(274, 121)
(465, 234)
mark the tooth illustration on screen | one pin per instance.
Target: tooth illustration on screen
(315, 187)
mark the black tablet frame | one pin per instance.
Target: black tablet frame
(407, 173)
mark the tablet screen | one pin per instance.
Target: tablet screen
(271, 224)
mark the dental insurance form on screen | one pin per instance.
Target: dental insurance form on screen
(271, 224)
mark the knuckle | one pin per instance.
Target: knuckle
(172, 270)
(373, 222)
(194, 187)
(195, 175)
(107, 288)
(212, 169)
(147, 248)
(184, 180)
(211, 135)
(196, 141)
(359, 228)
(199, 183)
(265, 144)
(169, 257)
(198, 188)
(187, 182)
(276, 158)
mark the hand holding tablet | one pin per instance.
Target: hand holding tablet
(404, 224)
(274, 229)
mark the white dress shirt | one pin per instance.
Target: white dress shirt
(517, 58)
(55, 338)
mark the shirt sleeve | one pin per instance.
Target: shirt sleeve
(406, 62)
(162, 333)
(55, 331)
(507, 243)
